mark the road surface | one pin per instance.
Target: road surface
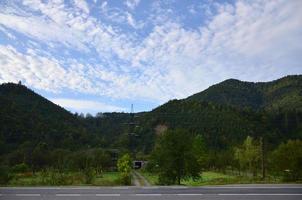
(230, 192)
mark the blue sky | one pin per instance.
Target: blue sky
(97, 55)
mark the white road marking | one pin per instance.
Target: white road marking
(68, 195)
(120, 188)
(28, 195)
(250, 187)
(189, 194)
(107, 195)
(253, 194)
(177, 187)
(150, 187)
(147, 194)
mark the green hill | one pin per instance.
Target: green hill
(224, 115)
(284, 93)
(228, 112)
(27, 118)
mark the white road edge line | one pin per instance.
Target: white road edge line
(252, 194)
(68, 195)
(28, 195)
(150, 187)
(177, 187)
(107, 195)
(120, 188)
(251, 187)
(147, 194)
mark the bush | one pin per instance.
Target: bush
(53, 177)
(57, 178)
(20, 168)
(5, 175)
(287, 160)
(89, 174)
(124, 165)
(125, 179)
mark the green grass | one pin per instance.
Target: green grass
(107, 179)
(206, 179)
(68, 178)
(212, 178)
(113, 179)
(151, 178)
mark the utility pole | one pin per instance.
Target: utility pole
(131, 132)
(131, 123)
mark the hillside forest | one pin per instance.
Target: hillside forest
(242, 128)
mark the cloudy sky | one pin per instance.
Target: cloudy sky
(102, 55)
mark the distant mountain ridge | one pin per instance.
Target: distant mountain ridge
(284, 93)
(224, 114)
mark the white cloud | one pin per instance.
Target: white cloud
(250, 40)
(247, 41)
(192, 9)
(82, 5)
(40, 72)
(43, 30)
(132, 4)
(132, 22)
(104, 6)
(86, 105)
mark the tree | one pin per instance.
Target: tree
(102, 160)
(248, 155)
(177, 155)
(124, 166)
(5, 175)
(82, 160)
(199, 152)
(59, 159)
(287, 160)
(40, 157)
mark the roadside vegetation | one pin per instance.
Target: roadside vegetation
(241, 132)
(97, 171)
(181, 158)
(216, 178)
(69, 178)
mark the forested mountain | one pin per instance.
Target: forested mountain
(284, 93)
(223, 126)
(27, 118)
(224, 115)
(228, 112)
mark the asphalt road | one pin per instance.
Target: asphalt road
(234, 192)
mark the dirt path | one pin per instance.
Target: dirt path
(134, 179)
(139, 180)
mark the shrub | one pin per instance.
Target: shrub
(287, 160)
(20, 168)
(124, 167)
(89, 174)
(53, 177)
(5, 175)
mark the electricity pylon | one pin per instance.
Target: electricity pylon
(131, 134)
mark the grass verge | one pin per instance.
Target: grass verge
(212, 178)
(68, 178)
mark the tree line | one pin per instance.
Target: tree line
(179, 154)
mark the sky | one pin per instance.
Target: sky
(104, 55)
